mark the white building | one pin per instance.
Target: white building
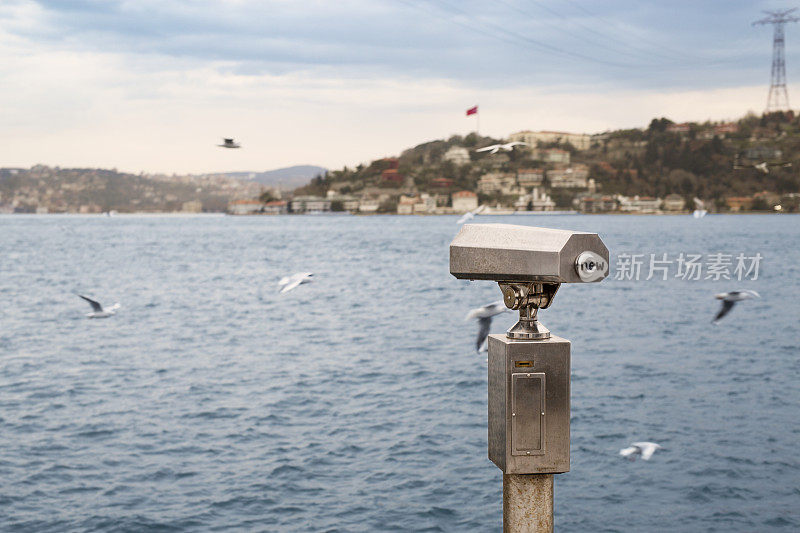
(498, 182)
(368, 206)
(349, 203)
(536, 201)
(310, 204)
(405, 205)
(555, 155)
(276, 207)
(243, 207)
(530, 177)
(426, 204)
(416, 205)
(458, 155)
(639, 204)
(580, 141)
(575, 177)
(464, 201)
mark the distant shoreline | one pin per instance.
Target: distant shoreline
(339, 214)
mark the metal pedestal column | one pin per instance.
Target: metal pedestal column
(527, 503)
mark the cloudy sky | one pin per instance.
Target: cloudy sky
(152, 85)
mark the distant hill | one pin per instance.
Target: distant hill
(93, 190)
(284, 178)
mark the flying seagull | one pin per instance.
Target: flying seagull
(497, 147)
(645, 449)
(469, 215)
(229, 143)
(290, 282)
(484, 315)
(762, 166)
(699, 208)
(97, 309)
(729, 299)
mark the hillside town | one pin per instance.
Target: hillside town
(42, 189)
(747, 165)
(738, 166)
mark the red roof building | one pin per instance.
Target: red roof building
(393, 162)
(391, 175)
(442, 182)
(605, 165)
(679, 128)
(464, 201)
(722, 129)
(464, 194)
(276, 207)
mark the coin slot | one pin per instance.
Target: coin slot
(523, 364)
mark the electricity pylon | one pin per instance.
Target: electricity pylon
(778, 98)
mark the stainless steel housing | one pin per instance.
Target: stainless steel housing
(504, 252)
(529, 405)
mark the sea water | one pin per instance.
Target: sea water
(211, 402)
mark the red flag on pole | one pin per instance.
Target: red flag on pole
(472, 111)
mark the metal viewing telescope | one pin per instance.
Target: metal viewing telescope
(529, 369)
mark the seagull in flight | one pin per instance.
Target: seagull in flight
(497, 147)
(229, 143)
(97, 309)
(469, 215)
(699, 208)
(645, 449)
(291, 282)
(485, 315)
(762, 166)
(729, 299)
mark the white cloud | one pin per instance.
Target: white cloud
(87, 109)
(112, 100)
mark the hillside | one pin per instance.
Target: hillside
(57, 190)
(712, 161)
(282, 178)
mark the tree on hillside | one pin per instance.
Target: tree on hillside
(317, 187)
(267, 196)
(471, 140)
(659, 125)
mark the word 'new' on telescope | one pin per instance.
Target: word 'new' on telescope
(529, 369)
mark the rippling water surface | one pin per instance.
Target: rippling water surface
(357, 403)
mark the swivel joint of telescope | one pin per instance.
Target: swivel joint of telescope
(528, 298)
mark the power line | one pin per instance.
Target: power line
(528, 40)
(628, 49)
(678, 53)
(453, 15)
(456, 22)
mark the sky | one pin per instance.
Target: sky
(153, 85)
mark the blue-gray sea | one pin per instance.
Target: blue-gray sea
(357, 402)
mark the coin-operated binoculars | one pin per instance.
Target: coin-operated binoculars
(529, 369)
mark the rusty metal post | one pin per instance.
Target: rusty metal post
(527, 503)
